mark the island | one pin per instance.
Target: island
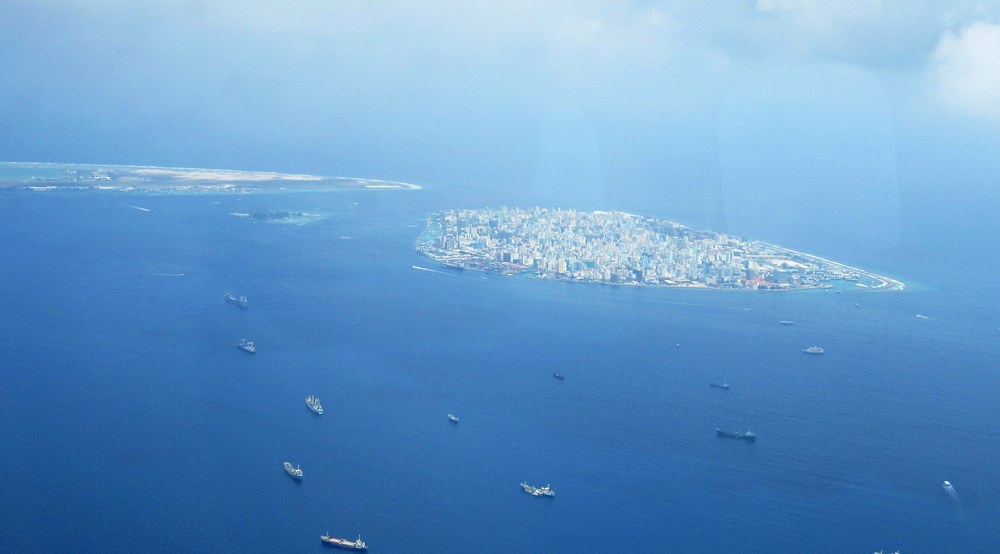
(625, 249)
(279, 216)
(49, 177)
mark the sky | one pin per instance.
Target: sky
(855, 120)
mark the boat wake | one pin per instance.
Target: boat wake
(140, 208)
(427, 269)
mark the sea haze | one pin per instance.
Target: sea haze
(131, 420)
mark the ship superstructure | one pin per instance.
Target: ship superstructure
(538, 491)
(314, 404)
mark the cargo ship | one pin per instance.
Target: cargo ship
(746, 435)
(295, 472)
(314, 404)
(241, 301)
(344, 543)
(247, 345)
(538, 491)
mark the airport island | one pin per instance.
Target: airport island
(53, 177)
(625, 249)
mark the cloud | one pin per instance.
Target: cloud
(875, 34)
(967, 69)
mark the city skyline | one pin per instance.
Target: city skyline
(622, 248)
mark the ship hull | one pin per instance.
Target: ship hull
(344, 544)
(538, 491)
(294, 473)
(734, 435)
(241, 302)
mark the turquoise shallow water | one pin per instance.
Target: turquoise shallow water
(131, 421)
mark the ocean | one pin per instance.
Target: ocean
(131, 421)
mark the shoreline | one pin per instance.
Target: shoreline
(43, 176)
(694, 286)
(884, 282)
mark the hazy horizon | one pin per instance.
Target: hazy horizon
(864, 120)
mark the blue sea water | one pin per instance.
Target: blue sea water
(131, 422)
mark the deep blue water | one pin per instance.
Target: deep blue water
(131, 422)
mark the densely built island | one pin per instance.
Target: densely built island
(627, 249)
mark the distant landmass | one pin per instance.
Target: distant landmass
(626, 249)
(279, 216)
(172, 180)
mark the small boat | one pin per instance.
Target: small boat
(344, 543)
(724, 386)
(247, 345)
(814, 350)
(314, 404)
(745, 435)
(786, 322)
(947, 486)
(453, 418)
(241, 301)
(558, 376)
(538, 491)
(295, 472)
(922, 316)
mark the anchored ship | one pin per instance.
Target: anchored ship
(247, 345)
(344, 543)
(452, 418)
(295, 472)
(814, 350)
(719, 385)
(241, 301)
(314, 404)
(538, 491)
(746, 435)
